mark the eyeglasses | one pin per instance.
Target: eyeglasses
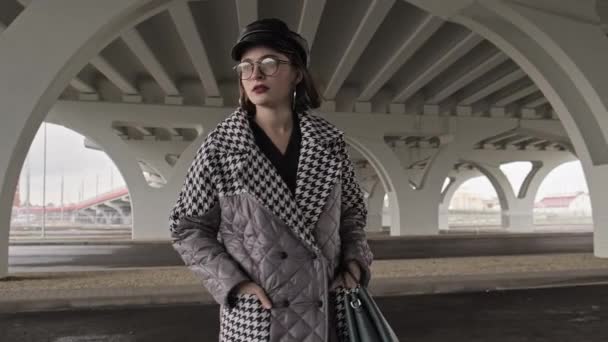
(268, 66)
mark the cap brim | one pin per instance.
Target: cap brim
(259, 39)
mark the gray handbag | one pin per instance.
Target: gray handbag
(364, 320)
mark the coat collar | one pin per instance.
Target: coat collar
(319, 168)
(237, 136)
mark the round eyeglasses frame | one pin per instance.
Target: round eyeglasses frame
(277, 62)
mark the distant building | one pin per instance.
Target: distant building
(463, 200)
(492, 203)
(577, 203)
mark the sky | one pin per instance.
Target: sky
(67, 155)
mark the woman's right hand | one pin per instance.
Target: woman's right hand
(253, 288)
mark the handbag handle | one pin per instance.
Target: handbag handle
(357, 280)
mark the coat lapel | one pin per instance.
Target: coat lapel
(249, 170)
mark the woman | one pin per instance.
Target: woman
(270, 215)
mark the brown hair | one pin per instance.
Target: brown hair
(307, 95)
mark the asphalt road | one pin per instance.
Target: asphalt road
(73, 257)
(576, 314)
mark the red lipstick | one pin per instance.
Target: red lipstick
(260, 88)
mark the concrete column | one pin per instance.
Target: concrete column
(31, 78)
(375, 206)
(544, 38)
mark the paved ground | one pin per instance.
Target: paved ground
(176, 284)
(566, 315)
(108, 299)
(34, 257)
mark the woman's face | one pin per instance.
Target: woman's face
(269, 90)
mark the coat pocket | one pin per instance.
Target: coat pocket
(247, 320)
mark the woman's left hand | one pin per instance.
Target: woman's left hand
(345, 279)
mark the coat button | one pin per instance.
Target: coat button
(314, 256)
(285, 302)
(283, 255)
(320, 303)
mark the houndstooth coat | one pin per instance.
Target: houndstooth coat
(235, 220)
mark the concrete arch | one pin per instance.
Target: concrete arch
(149, 205)
(448, 193)
(390, 173)
(382, 172)
(535, 179)
(118, 160)
(499, 182)
(41, 77)
(451, 181)
(517, 210)
(543, 38)
(528, 184)
(416, 211)
(446, 198)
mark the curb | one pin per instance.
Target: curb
(381, 287)
(440, 237)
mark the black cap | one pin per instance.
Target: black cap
(273, 33)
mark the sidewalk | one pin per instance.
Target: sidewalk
(173, 285)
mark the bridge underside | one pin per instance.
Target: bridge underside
(424, 91)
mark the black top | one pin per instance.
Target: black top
(287, 164)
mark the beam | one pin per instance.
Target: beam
(90, 144)
(120, 131)
(530, 143)
(125, 86)
(507, 134)
(536, 102)
(518, 94)
(548, 136)
(140, 48)
(521, 140)
(466, 74)
(440, 62)
(186, 28)
(481, 89)
(427, 26)
(82, 87)
(310, 17)
(496, 140)
(173, 131)
(246, 12)
(507, 140)
(144, 131)
(372, 19)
